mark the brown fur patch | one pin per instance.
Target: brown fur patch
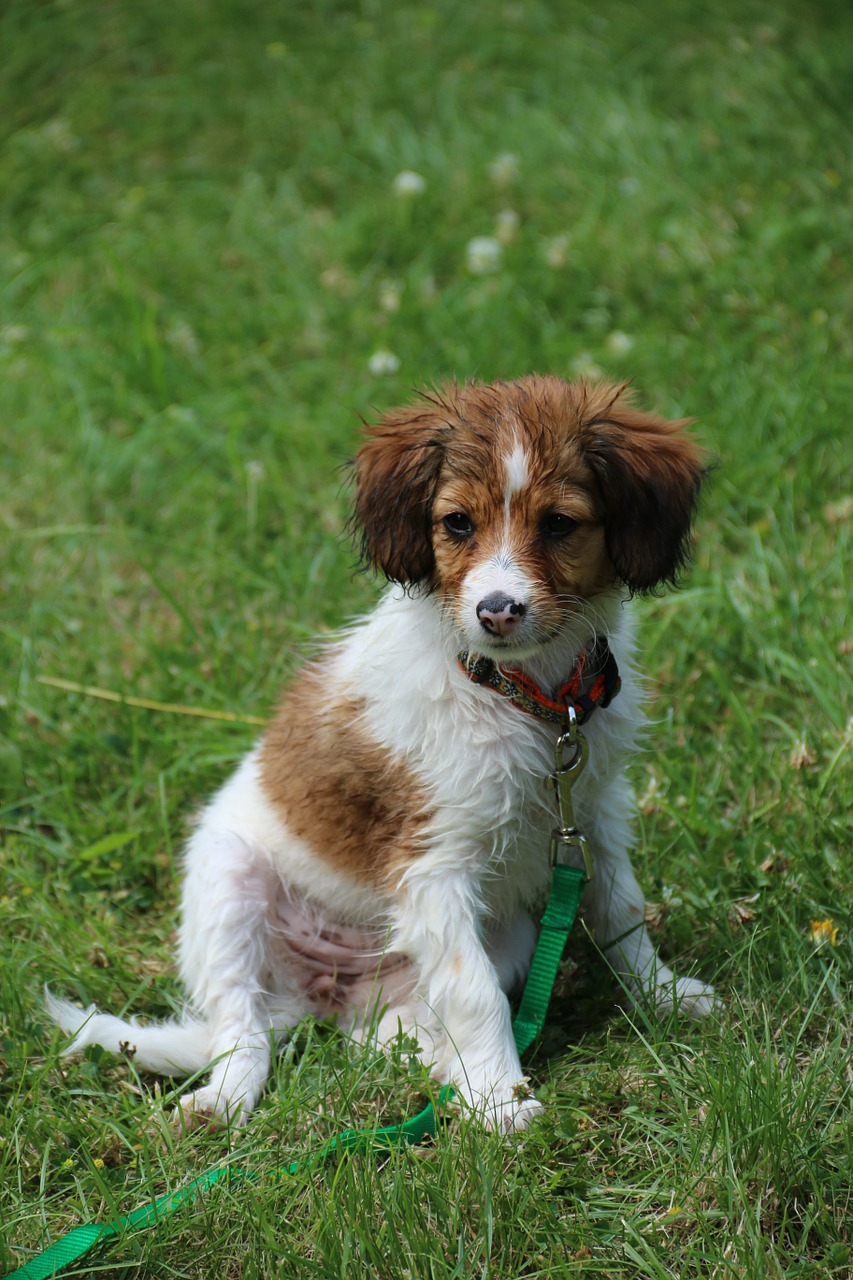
(354, 805)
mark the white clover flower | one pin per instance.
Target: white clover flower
(555, 251)
(182, 338)
(583, 366)
(483, 254)
(338, 280)
(407, 183)
(618, 343)
(506, 225)
(504, 169)
(390, 293)
(383, 362)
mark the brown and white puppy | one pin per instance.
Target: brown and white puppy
(382, 853)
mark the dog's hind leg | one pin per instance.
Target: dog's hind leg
(614, 908)
(225, 961)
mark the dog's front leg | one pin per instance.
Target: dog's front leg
(439, 927)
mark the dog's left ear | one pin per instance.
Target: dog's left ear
(649, 471)
(396, 471)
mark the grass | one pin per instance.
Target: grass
(201, 249)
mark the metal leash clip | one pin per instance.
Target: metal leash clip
(571, 757)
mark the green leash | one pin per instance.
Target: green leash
(566, 890)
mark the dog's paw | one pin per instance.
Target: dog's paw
(511, 1116)
(667, 994)
(506, 1109)
(695, 998)
(207, 1107)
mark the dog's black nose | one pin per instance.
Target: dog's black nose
(499, 614)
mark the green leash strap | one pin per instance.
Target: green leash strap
(566, 890)
(77, 1242)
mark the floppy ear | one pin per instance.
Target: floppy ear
(649, 472)
(396, 472)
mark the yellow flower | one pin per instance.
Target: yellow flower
(98, 1162)
(824, 931)
(68, 1164)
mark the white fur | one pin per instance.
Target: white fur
(517, 473)
(461, 913)
(501, 573)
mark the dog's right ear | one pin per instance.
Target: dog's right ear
(396, 472)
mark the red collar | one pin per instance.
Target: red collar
(595, 662)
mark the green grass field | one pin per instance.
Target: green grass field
(209, 271)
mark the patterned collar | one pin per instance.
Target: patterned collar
(596, 667)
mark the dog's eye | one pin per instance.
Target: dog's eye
(460, 525)
(556, 525)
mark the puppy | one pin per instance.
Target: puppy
(382, 854)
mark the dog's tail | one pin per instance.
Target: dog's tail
(168, 1048)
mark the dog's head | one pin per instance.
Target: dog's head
(517, 502)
